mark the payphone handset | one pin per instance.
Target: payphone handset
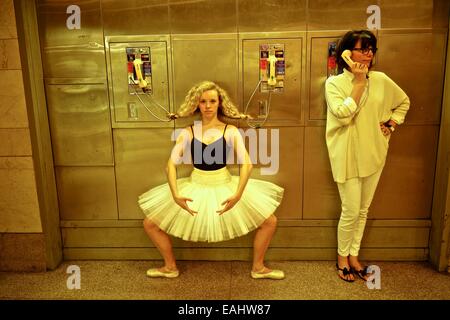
(272, 80)
(137, 67)
(272, 67)
(346, 57)
(272, 74)
(346, 54)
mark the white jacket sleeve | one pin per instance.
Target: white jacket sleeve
(341, 107)
(400, 102)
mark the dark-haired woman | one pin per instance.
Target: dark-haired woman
(364, 109)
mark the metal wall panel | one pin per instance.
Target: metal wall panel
(406, 186)
(406, 14)
(441, 10)
(271, 15)
(86, 193)
(320, 193)
(141, 157)
(204, 57)
(218, 40)
(405, 189)
(83, 61)
(119, 91)
(415, 61)
(135, 17)
(337, 14)
(286, 237)
(290, 170)
(285, 106)
(80, 124)
(203, 16)
(71, 53)
(318, 57)
(232, 254)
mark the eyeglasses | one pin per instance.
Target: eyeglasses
(366, 50)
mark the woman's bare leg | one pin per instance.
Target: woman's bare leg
(163, 243)
(261, 242)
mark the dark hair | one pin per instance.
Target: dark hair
(349, 40)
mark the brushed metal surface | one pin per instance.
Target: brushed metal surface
(230, 254)
(141, 157)
(80, 124)
(53, 17)
(272, 15)
(86, 193)
(290, 170)
(285, 106)
(71, 53)
(202, 16)
(204, 57)
(407, 13)
(320, 193)
(337, 14)
(87, 61)
(119, 92)
(441, 10)
(318, 54)
(293, 237)
(135, 17)
(218, 40)
(405, 190)
(420, 77)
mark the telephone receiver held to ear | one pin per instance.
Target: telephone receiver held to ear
(346, 54)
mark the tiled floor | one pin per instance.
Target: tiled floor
(207, 280)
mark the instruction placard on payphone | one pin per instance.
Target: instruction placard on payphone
(139, 69)
(331, 59)
(271, 67)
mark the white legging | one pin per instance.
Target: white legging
(356, 195)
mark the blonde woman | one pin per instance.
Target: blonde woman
(211, 205)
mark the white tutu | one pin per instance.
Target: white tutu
(208, 189)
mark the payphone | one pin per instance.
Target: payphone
(139, 80)
(139, 68)
(272, 72)
(139, 71)
(271, 67)
(332, 69)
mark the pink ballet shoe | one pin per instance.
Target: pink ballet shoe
(155, 273)
(274, 274)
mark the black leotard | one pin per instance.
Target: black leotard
(208, 159)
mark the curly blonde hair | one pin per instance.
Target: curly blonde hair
(192, 100)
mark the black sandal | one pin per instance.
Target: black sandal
(361, 273)
(345, 272)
